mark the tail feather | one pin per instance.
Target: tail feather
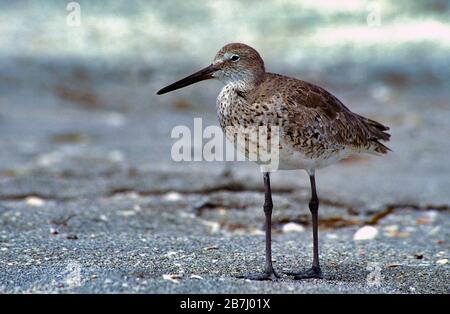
(380, 148)
(378, 133)
(378, 125)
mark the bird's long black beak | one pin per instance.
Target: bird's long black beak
(203, 74)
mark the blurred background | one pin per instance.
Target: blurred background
(79, 118)
(75, 86)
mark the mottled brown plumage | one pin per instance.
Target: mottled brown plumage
(313, 122)
(308, 111)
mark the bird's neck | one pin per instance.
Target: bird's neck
(244, 83)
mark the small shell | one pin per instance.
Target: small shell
(365, 233)
(292, 227)
(34, 201)
(172, 277)
(172, 196)
(196, 277)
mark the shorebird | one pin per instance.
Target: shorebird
(315, 128)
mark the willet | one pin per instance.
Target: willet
(315, 128)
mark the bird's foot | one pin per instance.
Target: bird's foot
(314, 272)
(267, 275)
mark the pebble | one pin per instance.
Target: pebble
(365, 233)
(72, 237)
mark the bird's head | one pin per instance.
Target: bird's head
(235, 63)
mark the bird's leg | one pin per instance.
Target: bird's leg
(314, 208)
(269, 273)
(314, 271)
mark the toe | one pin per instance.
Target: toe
(309, 274)
(262, 276)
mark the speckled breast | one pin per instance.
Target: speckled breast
(242, 127)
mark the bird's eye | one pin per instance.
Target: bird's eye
(235, 58)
